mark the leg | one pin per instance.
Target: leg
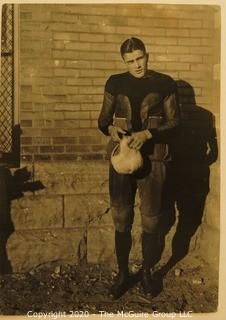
(122, 193)
(151, 189)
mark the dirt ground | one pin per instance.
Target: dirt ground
(67, 289)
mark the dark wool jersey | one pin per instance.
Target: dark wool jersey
(136, 89)
(139, 99)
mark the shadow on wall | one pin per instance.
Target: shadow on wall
(194, 149)
(11, 187)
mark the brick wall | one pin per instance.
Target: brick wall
(68, 51)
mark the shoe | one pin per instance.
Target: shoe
(120, 286)
(147, 282)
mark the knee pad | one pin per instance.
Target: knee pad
(122, 218)
(151, 224)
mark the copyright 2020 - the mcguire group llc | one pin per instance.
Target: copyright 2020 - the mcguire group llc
(105, 314)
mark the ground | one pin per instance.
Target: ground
(84, 288)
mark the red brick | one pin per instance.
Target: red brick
(177, 66)
(65, 140)
(41, 141)
(27, 158)
(178, 32)
(67, 106)
(26, 140)
(201, 67)
(202, 50)
(76, 115)
(91, 90)
(64, 157)
(103, 47)
(178, 49)
(26, 106)
(26, 123)
(64, 17)
(99, 81)
(164, 41)
(65, 36)
(76, 132)
(51, 149)
(202, 33)
(190, 58)
(68, 27)
(90, 106)
(90, 140)
(78, 64)
(152, 32)
(111, 56)
(66, 73)
(65, 54)
(66, 124)
(94, 73)
(91, 37)
(98, 148)
(79, 81)
(102, 29)
(32, 132)
(158, 66)
(91, 56)
(31, 115)
(129, 10)
(41, 15)
(189, 42)
(79, 148)
(190, 24)
(192, 74)
(207, 42)
(95, 114)
(78, 46)
(114, 38)
(42, 157)
(50, 132)
(84, 123)
(92, 156)
(30, 149)
(93, 9)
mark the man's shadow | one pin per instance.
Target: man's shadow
(12, 187)
(194, 149)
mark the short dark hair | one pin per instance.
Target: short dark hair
(132, 44)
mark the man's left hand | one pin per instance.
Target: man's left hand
(139, 138)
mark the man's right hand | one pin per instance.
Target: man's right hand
(114, 131)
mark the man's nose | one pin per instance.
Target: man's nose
(137, 64)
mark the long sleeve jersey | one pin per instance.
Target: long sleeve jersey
(139, 100)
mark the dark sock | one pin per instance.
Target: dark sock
(123, 243)
(149, 249)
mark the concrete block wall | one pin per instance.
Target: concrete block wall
(67, 52)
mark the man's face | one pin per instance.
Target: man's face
(136, 62)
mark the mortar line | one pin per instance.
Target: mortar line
(63, 208)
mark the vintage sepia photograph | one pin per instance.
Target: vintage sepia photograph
(109, 159)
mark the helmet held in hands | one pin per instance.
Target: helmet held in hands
(124, 159)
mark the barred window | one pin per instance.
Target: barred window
(9, 129)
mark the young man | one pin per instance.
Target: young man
(143, 103)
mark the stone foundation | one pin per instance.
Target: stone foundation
(70, 220)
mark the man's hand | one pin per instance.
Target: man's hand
(139, 138)
(114, 131)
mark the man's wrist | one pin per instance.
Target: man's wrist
(148, 134)
(109, 129)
